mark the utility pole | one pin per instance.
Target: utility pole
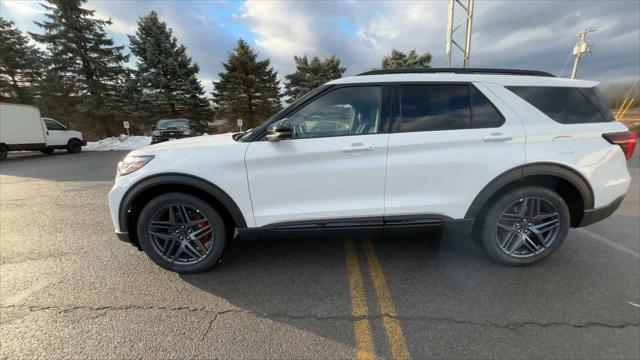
(581, 47)
(468, 21)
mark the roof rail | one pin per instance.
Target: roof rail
(459, 71)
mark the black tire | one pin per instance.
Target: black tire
(3, 152)
(74, 146)
(47, 151)
(490, 234)
(214, 219)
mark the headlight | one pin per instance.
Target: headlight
(186, 132)
(132, 163)
(156, 132)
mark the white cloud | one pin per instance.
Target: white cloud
(521, 34)
(22, 13)
(23, 8)
(285, 29)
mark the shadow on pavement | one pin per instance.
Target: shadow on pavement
(303, 282)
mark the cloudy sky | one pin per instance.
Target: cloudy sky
(510, 34)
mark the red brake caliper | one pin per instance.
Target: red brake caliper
(206, 238)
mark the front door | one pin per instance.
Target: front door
(333, 167)
(56, 132)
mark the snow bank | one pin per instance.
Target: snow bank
(122, 142)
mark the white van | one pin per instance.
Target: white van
(22, 128)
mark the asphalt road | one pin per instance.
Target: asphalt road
(69, 288)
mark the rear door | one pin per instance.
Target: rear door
(332, 168)
(447, 142)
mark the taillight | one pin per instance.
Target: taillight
(626, 139)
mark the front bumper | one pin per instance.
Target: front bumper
(163, 138)
(594, 215)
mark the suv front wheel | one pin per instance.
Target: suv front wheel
(181, 233)
(524, 225)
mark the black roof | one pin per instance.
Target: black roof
(459, 71)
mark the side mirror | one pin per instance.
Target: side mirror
(280, 130)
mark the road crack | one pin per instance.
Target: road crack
(104, 310)
(206, 332)
(7, 261)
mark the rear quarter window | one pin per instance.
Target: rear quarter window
(485, 115)
(566, 105)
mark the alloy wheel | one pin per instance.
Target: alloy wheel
(181, 234)
(528, 227)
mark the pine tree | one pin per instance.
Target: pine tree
(310, 75)
(248, 89)
(84, 61)
(411, 60)
(21, 65)
(164, 82)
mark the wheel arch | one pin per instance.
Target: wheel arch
(567, 182)
(145, 189)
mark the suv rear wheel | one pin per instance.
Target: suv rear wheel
(181, 233)
(525, 225)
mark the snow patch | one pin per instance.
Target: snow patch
(122, 142)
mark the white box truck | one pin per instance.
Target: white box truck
(22, 128)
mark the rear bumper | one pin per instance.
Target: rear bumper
(594, 215)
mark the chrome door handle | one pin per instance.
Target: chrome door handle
(496, 137)
(357, 147)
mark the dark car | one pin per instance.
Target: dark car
(170, 129)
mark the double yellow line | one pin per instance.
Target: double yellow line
(365, 348)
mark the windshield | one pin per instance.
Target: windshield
(177, 123)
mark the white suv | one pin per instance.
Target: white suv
(513, 157)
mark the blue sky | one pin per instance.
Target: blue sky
(516, 34)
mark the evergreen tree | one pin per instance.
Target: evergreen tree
(164, 82)
(84, 62)
(411, 60)
(310, 75)
(248, 88)
(21, 65)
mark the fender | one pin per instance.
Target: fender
(178, 179)
(524, 171)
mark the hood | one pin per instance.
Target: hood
(185, 143)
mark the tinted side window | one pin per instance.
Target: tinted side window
(563, 104)
(342, 112)
(433, 107)
(485, 115)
